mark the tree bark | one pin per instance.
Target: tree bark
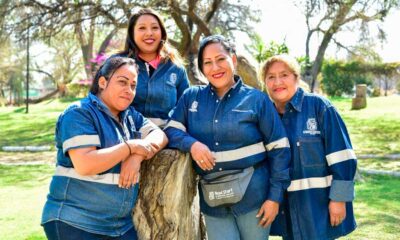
(168, 205)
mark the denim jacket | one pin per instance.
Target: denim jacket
(93, 203)
(322, 169)
(242, 129)
(158, 94)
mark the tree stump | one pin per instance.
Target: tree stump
(360, 101)
(168, 205)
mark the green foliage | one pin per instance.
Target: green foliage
(262, 52)
(339, 77)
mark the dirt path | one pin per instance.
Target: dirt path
(27, 158)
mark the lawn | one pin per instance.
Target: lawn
(377, 205)
(33, 129)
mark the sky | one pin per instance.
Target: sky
(282, 21)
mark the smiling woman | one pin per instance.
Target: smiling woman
(162, 77)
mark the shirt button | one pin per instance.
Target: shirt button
(217, 101)
(216, 120)
(217, 143)
(220, 169)
(229, 95)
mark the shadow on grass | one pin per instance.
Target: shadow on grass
(20, 110)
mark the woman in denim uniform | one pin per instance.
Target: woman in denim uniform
(318, 203)
(162, 77)
(101, 142)
(228, 125)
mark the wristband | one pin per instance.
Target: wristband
(130, 151)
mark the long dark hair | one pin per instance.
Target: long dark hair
(108, 69)
(165, 49)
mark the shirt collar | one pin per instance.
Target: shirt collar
(102, 107)
(234, 88)
(297, 100)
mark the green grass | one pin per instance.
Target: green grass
(375, 129)
(23, 192)
(32, 129)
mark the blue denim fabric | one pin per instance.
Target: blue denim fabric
(158, 94)
(321, 148)
(57, 230)
(242, 118)
(99, 207)
(231, 227)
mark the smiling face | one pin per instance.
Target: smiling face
(281, 83)
(147, 36)
(118, 92)
(218, 67)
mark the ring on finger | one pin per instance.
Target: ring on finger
(201, 161)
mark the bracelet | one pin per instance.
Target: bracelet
(130, 151)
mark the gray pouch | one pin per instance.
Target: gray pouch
(225, 188)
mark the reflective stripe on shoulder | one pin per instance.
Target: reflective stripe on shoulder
(176, 124)
(108, 178)
(280, 143)
(309, 183)
(340, 156)
(81, 140)
(243, 152)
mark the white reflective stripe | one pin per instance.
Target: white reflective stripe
(108, 178)
(176, 124)
(340, 156)
(81, 140)
(280, 143)
(232, 155)
(158, 121)
(309, 183)
(146, 129)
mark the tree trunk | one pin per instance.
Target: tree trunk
(168, 205)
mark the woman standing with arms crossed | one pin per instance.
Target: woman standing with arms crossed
(318, 203)
(101, 142)
(235, 137)
(162, 77)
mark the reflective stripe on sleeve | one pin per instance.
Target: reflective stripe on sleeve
(309, 183)
(158, 121)
(146, 129)
(340, 156)
(176, 124)
(108, 178)
(81, 140)
(280, 143)
(243, 152)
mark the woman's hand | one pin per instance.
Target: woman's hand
(268, 211)
(202, 155)
(337, 212)
(130, 171)
(141, 147)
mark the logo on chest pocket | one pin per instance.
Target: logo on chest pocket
(312, 127)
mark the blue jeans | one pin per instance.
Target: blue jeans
(243, 227)
(57, 230)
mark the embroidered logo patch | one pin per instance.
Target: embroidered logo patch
(172, 78)
(312, 127)
(193, 108)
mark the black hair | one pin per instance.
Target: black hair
(226, 44)
(108, 68)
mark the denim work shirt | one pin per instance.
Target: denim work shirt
(242, 129)
(158, 94)
(93, 203)
(322, 169)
